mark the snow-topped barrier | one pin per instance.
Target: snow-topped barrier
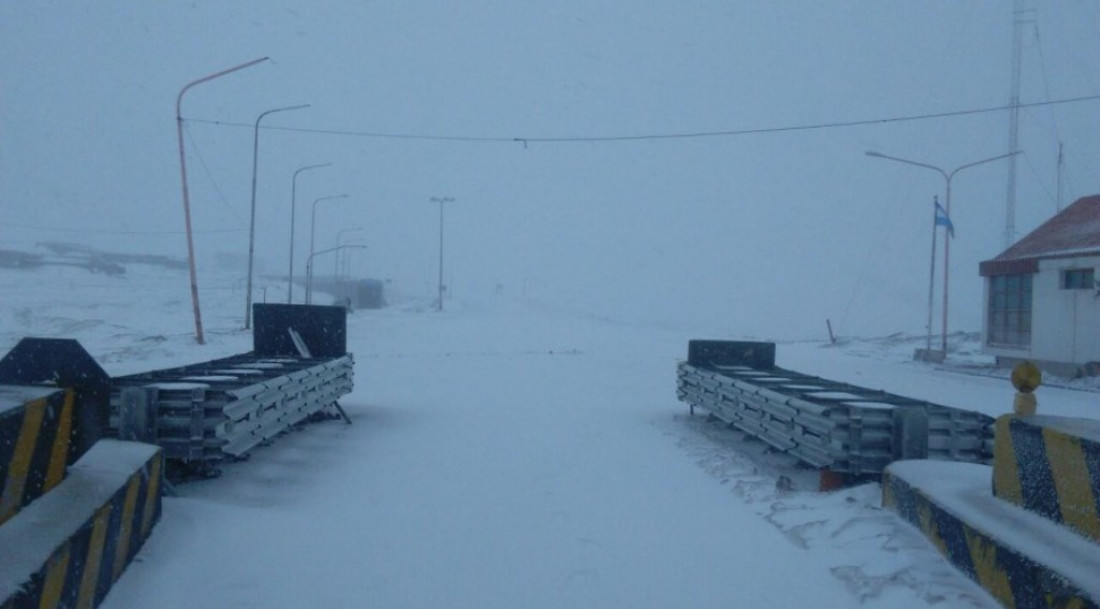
(1018, 556)
(53, 398)
(1034, 541)
(833, 426)
(35, 430)
(63, 363)
(74, 508)
(69, 546)
(1051, 466)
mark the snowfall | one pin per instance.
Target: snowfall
(509, 453)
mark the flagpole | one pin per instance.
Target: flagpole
(932, 273)
(947, 176)
(946, 257)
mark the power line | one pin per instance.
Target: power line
(1039, 179)
(210, 176)
(578, 139)
(54, 229)
(650, 136)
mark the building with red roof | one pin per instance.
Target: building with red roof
(1042, 302)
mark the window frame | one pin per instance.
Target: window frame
(1078, 278)
(1009, 310)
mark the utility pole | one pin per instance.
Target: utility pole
(186, 197)
(441, 201)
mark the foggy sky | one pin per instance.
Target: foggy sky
(766, 234)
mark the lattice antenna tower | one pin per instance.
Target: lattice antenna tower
(1020, 16)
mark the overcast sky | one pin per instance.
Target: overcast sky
(764, 234)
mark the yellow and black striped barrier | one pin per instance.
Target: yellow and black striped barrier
(35, 435)
(1006, 571)
(1050, 466)
(75, 541)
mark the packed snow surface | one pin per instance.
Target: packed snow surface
(507, 454)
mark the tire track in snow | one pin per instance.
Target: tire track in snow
(872, 552)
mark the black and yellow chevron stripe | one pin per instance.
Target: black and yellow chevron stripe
(81, 572)
(1011, 577)
(34, 448)
(1050, 466)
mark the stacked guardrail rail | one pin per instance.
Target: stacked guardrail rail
(826, 424)
(205, 413)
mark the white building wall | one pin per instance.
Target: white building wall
(1065, 323)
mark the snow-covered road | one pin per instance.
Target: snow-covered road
(506, 454)
(503, 457)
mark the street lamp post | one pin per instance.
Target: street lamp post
(252, 219)
(186, 197)
(336, 262)
(339, 235)
(947, 177)
(293, 206)
(441, 201)
(312, 234)
(346, 258)
(309, 261)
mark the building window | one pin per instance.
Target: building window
(1009, 310)
(1077, 279)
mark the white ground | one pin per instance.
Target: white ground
(506, 455)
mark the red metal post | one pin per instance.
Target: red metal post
(186, 197)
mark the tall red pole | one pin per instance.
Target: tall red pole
(186, 197)
(946, 240)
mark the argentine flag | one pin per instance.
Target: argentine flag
(942, 219)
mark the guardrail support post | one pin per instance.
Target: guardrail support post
(138, 415)
(910, 434)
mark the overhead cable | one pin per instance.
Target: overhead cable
(650, 136)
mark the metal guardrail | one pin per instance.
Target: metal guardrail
(204, 413)
(827, 424)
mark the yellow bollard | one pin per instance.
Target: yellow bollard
(1026, 378)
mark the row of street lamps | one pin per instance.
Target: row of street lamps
(252, 220)
(947, 176)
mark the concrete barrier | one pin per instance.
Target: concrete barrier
(1051, 466)
(35, 431)
(1021, 558)
(63, 363)
(75, 541)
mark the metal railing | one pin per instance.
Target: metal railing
(826, 424)
(204, 413)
